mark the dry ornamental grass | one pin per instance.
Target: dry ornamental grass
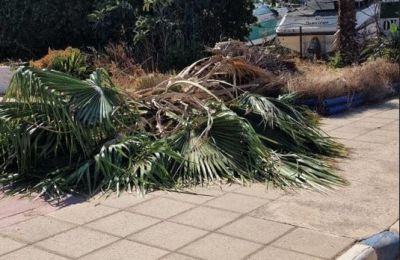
(374, 79)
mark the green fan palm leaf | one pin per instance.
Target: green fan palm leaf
(284, 127)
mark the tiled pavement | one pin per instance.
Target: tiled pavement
(233, 222)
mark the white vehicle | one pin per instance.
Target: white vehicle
(311, 29)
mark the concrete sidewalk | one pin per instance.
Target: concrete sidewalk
(236, 222)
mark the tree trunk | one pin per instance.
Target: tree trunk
(347, 42)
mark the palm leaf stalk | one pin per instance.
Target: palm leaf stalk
(60, 134)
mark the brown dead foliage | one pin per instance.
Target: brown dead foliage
(374, 79)
(259, 56)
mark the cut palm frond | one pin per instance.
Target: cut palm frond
(91, 100)
(284, 127)
(227, 148)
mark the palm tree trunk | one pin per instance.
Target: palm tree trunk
(347, 42)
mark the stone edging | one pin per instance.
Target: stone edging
(382, 246)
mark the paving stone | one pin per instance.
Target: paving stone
(237, 202)
(378, 120)
(349, 130)
(379, 136)
(77, 242)
(35, 229)
(367, 206)
(39, 209)
(261, 190)
(168, 235)
(82, 213)
(126, 250)
(124, 201)
(13, 205)
(8, 245)
(175, 256)
(344, 134)
(394, 126)
(220, 247)
(272, 253)
(225, 187)
(313, 243)
(384, 133)
(31, 253)
(206, 218)
(122, 223)
(161, 207)
(196, 196)
(391, 114)
(255, 229)
(328, 128)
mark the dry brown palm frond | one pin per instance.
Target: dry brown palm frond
(223, 76)
(214, 79)
(259, 56)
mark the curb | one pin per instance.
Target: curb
(382, 246)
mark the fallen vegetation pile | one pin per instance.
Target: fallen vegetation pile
(219, 120)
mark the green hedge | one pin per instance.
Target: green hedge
(29, 27)
(162, 34)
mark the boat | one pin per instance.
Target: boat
(265, 27)
(311, 28)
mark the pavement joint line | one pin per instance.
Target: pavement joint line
(357, 119)
(75, 226)
(242, 215)
(299, 252)
(180, 253)
(196, 205)
(119, 210)
(22, 212)
(148, 227)
(304, 227)
(378, 128)
(32, 244)
(271, 242)
(215, 231)
(121, 239)
(258, 197)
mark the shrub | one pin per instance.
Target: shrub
(166, 34)
(118, 60)
(388, 48)
(336, 61)
(172, 33)
(70, 61)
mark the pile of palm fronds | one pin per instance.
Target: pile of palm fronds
(219, 120)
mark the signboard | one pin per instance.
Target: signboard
(390, 16)
(389, 24)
